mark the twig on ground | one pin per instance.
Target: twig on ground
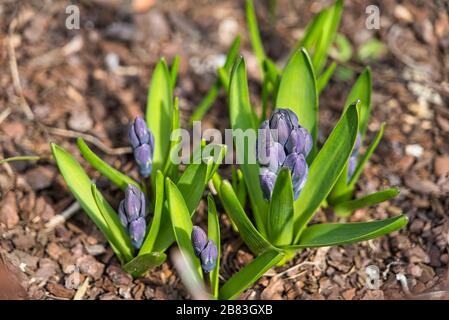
(5, 113)
(15, 74)
(90, 138)
(62, 217)
(81, 290)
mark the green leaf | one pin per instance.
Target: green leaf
(241, 117)
(373, 49)
(298, 92)
(325, 77)
(342, 49)
(142, 263)
(171, 169)
(329, 29)
(249, 274)
(366, 156)
(250, 235)
(174, 71)
(213, 233)
(212, 94)
(159, 114)
(118, 232)
(214, 155)
(280, 216)
(182, 223)
(80, 186)
(362, 90)
(344, 209)
(254, 33)
(326, 168)
(332, 234)
(119, 179)
(148, 244)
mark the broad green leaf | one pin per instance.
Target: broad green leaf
(280, 215)
(241, 117)
(344, 209)
(313, 31)
(174, 71)
(80, 186)
(298, 92)
(121, 238)
(366, 156)
(249, 274)
(326, 168)
(329, 29)
(182, 223)
(148, 244)
(250, 235)
(238, 184)
(142, 263)
(254, 33)
(362, 90)
(211, 95)
(213, 233)
(159, 113)
(119, 179)
(332, 234)
(325, 77)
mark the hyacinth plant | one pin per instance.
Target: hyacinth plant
(298, 177)
(140, 231)
(318, 40)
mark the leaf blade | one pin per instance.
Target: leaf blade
(249, 274)
(330, 234)
(344, 209)
(326, 168)
(213, 233)
(119, 179)
(280, 214)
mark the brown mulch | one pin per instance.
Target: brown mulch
(94, 80)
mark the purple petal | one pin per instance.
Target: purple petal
(132, 203)
(137, 230)
(199, 240)
(209, 257)
(144, 158)
(267, 180)
(122, 214)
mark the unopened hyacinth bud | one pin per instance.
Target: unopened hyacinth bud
(209, 257)
(199, 240)
(132, 214)
(142, 142)
(282, 142)
(352, 162)
(204, 249)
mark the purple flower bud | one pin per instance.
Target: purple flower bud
(144, 158)
(132, 214)
(351, 166)
(139, 133)
(199, 240)
(142, 141)
(352, 163)
(299, 141)
(299, 169)
(267, 181)
(209, 257)
(282, 122)
(137, 229)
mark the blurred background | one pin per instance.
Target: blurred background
(61, 79)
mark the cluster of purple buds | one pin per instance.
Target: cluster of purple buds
(132, 214)
(204, 249)
(353, 158)
(283, 143)
(142, 142)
